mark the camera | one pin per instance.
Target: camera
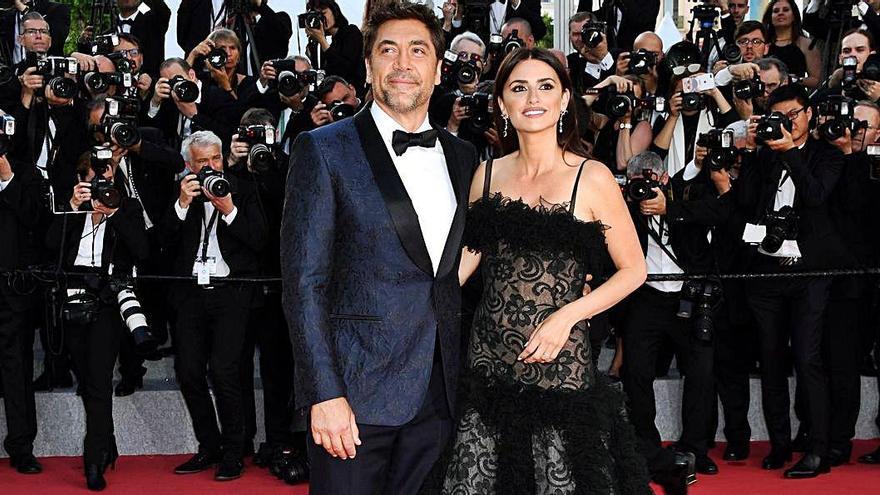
(290, 81)
(312, 19)
(870, 72)
(652, 102)
(592, 33)
(121, 63)
(495, 43)
(749, 88)
(217, 58)
(692, 102)
(770, 127)
(259, 138)
(103, 190)
(721, 152)
(781, 226)
(186, 90)
(731, 54)
(873, 152)
(7, 130)
(104, 44)
(121, 129)
(54, 69)
(849, 75)
(135, 320)
(512, 42)
(704, 295)
(641, 62)
(477, 109)
(459, 69)
(290, 466)
(213, 182)
(840, 110)
(340, 110)
(619, 104)
(121, 106)
(641, 188)
(705, 13)
(100, 82)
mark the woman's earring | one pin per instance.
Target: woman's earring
(561, 116)
(506, 122)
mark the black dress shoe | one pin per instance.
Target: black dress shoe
(810, 466)
(95, 477)
(676, 480)
(801, 442)
(871, 458)
(736, 452)
(776, 459)
(705, 465)
(267, 452)
(26, 464)
(127, 386)
(839, 457)
(230, 468)
(198, 463)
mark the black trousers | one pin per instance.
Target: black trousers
(792, 309)
(390, 459)
(651, 318)
(267, 329)
(210, 334)
(93, 349)
(735, 340)
(17, 374)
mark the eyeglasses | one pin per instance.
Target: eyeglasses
(754, 42)
(681, 69)
(133, 52)
(35, 31)
(794, 113)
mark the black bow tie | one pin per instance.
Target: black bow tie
(401, 140)
(126, 22)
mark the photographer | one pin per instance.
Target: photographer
(34, 39)
(783, 191)
(56, 14)
(254, 160)
(643, 61)
(337, 99)
(130, 48)
(271, 30)
(751, 39)
(627, 18)
(596, 62)
(110, 233)
(344, 56)
(20, 214)
(183, 104)
(445, 101)
(624, 126)
(292, 108)
(216, 230)
(856, 46)
(218, 57)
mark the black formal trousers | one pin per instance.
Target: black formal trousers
(390, 459)
(209, 338)
(267, 329)
(840, 341)
(650, 320)
(792, 309)
(733, 361)
(17, 374)
(93, 349)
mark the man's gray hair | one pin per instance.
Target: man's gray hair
(31, 16)
(646, 160)
(199, 139)
(468, 36)
(303, 59)
(768, 63)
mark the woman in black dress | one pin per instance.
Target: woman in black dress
(789, 43)
(536, 417)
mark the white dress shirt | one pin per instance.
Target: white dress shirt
(658, 261)
(43, 159)
(595, 70)
(222, 269)
(91, 243)
(143, 8)
(426, 179)
(785, 191)
(131, 189)
(4, 183)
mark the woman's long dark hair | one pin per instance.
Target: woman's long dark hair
(341, 20)
(569, 139)
(796, 23)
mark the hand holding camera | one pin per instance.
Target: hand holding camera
(655, 205)
(238, 151)
(774, 131)
(459, 113)
(320, 115)
(82, 193)
(30, 80)
(267, 73)
(5, 169)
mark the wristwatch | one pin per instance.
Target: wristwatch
(625, 125)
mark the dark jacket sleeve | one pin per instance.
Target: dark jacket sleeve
(128, 225)
(709, 210)
(272, 33)
(813, 187)
(58, 17)
(249, 224)
(345, 57)
(22, 196)
(154, 153)
(308, 231)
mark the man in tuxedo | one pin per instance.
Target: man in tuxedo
(530, 11)
(272, 30)
(57, 15)
(214, 110)
(626, 19)
(35, 38)
(214, 237)
(369, 254)
(20, 213)
(147, 20)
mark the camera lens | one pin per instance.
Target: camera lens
(95, 82)
(217, 58)
(619, 105)
(63, 87)
(466, 74)
(340, 110)
(186, 91)
(833, 129)
(639, 190)
(691, 102)
(124, 134)
(216, 185)
(288, 84)
(260, 157)
(731, 54)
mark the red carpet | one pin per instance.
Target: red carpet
(152, 475)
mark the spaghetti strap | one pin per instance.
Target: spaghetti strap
(574, 191)
(487, 179)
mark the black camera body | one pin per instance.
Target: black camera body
(593, 32)
(619, 104)
(770, 127)
(705, 14)
(121, 63)
(290, 81)
(458, 69)
(641, 62)
(512, 42)
(781, 226)
(217, 58)
(259, 138)
(722, 154)
(186, 90)
(311, 19)
(213, 182)
(476, 106)
(692, 102)
(731, 54)
(54, 71)
(699, 298)
(103, 190)
(749, 88)
(496, 43)
(639, 189)
(7, 130)
(103, 44)
(122, 106)
(339, 110)
(121, 129)
(100, 82)
(839, 110)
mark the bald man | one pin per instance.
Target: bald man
(523, 30)
(650, 42)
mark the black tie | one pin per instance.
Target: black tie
(401, 140)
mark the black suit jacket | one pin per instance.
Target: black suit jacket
(344, 58)
(815, 171)
(530, 10)
(153, 170)
(20, 213)
(56, 14)
(217, 112)
(150, 29)
(638, 16)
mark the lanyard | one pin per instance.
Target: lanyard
(208, 228)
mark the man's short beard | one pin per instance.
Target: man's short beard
(399, 106)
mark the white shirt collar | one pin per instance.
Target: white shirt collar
(143, 8)
(387, 125)
(595, 70)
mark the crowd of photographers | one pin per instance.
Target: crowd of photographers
(736, 152)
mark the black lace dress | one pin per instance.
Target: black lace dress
(536, 428)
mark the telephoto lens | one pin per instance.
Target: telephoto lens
(136, 321)
(105, 192)
(213, 182)
(63, 87)
(186, 90)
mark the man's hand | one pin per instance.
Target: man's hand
(188, 110)
(320, 115)
(189, 189)
(82, 192)
(85, 63)
(238, 151)
(870, 88)
(745, 70)
(752, 134)
(700, 153)
(162, 91)
(87, 34)
(223, 204)
(5, 169)
(719, 66)
(622, 85)
(782, 144)
(459, 113)
(622, 64)
(721, 179)
(334, 427)
(100, 207)
(30, 81)
(144, 82)
(267, 73)
(844, 143)
(654, 206)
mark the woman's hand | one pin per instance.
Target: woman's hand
(548, 339)
(220, 77)
(82, 192)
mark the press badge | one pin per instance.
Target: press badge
(203, 270)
